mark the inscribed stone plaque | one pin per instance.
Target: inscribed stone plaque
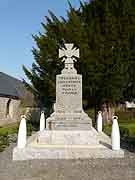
(69, 93)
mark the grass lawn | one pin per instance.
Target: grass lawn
(5, 135)
(126, 129)
(8, 134)
(9, 129)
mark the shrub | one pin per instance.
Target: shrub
(124, 131)
(107, 129)
(127, 129)
(5, 135)
(4, 142)
(29, 128)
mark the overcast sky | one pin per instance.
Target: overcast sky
(19, 19)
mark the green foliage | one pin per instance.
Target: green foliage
(8, 130)
(125, 116)
(107, 129)
(5, 132)
(91, 114)
(127, 129)
(105, 33)
(30, 127)
(4, 142)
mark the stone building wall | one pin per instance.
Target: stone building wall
(9, 110)
(3, 103)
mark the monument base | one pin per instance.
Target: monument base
(67, 145)
(69, 121)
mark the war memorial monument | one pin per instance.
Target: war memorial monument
(69, 133)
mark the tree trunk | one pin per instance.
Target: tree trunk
(97, 108)
(96, 112)
(108, 112)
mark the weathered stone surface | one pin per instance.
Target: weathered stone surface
(22, 134)
(69, 93)
(69, 114)
(115, 134)
(65, 153)
(42, 121)
(8, 110)
(69, 121)
(68, 138)
(99, 122)
(67, 145)
(70, 169)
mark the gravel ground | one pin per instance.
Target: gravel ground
(88, 169)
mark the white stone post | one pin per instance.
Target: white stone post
(99, 122)
(22, 133)
(115, 134)
(42, 121)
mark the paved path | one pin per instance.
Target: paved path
(99, 169)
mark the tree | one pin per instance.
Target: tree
(113, 24)
(104, 32)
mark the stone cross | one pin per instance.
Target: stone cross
(69, 55)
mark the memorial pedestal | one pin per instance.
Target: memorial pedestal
(69, 121)
(69, 133)
(69, 114)
(67, 145)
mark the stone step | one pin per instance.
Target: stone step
(71, 125)
(67, 145)
(67, 121)
(65, 153)
(67, 137)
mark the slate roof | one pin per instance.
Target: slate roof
(11, 87)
